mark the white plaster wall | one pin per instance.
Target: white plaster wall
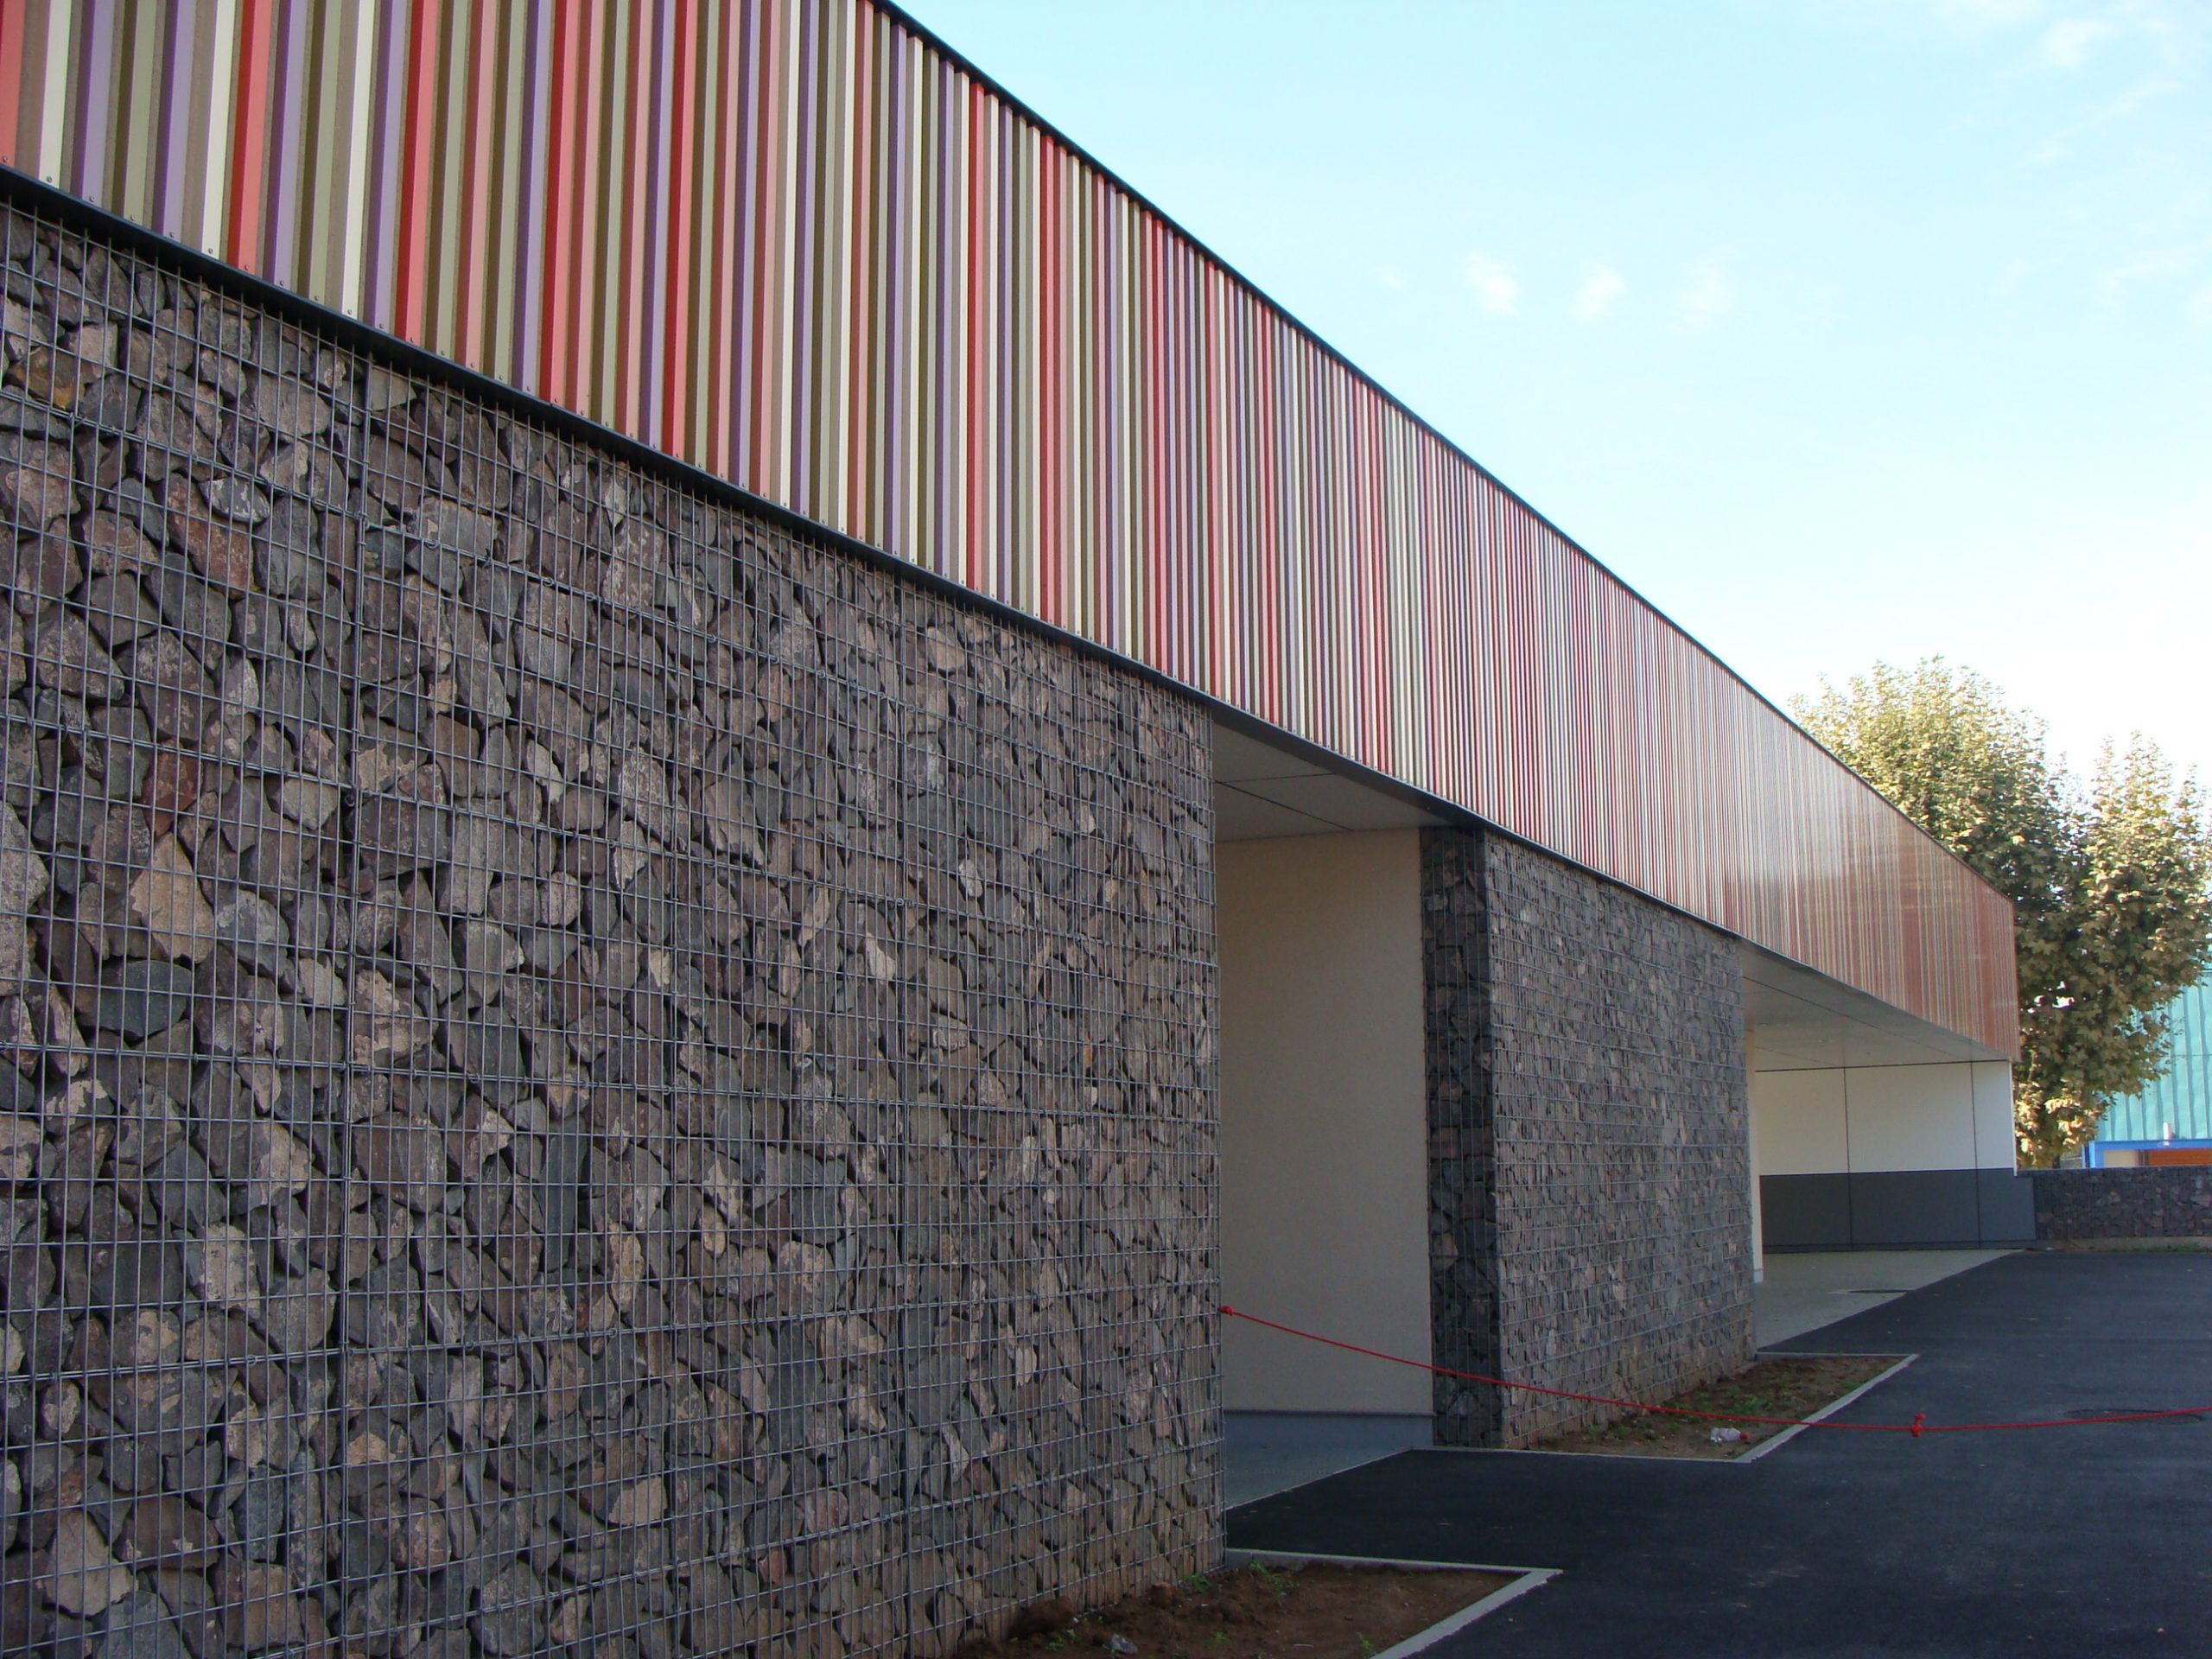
(1869, 1118)
(1751, 1161)
(1910, 1116)
(1324, 1170)
(1797, 1122)
(1994, 1145)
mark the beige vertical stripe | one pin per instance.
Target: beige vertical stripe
(780, 475)
(343, 47)
(140, 99)
(353, 221)
(320, 125)
(54, 128)
(215, 54)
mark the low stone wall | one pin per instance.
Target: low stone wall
(582, 1075)
(2174, 1202)
(1588, 1113)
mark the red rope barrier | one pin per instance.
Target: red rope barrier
(1919, 1427)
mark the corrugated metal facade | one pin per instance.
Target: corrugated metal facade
(800, 246)
(2182, 1095)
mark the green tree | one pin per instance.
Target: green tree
(2111, 881)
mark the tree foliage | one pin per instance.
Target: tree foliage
(2111, 879)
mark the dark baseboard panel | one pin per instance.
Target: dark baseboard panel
(1901, 1208)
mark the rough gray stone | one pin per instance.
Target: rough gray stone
(139, 1627)
(143, 998)
(2174, 1202)
(1536, 975)
(252, 930)
(235, 498)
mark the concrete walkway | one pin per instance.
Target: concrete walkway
(1270, 1451)
(2064, 1541)
(1802, 1292)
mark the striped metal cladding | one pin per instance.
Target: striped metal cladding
(801, 247)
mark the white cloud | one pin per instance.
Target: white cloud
(1390, 276)
(1965, 18)
(1494, 285)
(1708, 295)
(2174, 37)
(2129, 105)
(2014, 277)
(2067, 42)
(2198, 310)
(1973, 16)
(1599, 293)
(2114, 281)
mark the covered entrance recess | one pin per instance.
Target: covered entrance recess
(1323, 1186)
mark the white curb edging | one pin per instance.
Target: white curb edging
(1826, 1411)
(1750, 1456)
(1525, 1578)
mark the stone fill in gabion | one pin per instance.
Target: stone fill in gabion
(2173, 1202)
(582, 1075)
(1589, 1164)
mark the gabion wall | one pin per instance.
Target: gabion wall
(1463, 1237)
(585, 1077)
(2174, 1202)
(1589, 1150)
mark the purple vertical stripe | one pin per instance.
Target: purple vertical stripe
(279, 247)
(652, 365)
(95, 94)
(530, 210)
(172, 122)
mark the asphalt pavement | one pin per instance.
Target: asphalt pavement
(2086, 1541)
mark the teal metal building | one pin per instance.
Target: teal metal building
(2175, 1109)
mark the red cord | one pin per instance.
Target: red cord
(1916, 1428)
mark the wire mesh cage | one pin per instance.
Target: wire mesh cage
(587, 1074)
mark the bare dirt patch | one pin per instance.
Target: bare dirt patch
(1781, 1387)
(1319, 1610)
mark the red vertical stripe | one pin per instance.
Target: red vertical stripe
(416, 144)
(475, 186)
(678, 359)
(242, 232)
(12, 78)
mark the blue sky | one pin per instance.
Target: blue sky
(1841, 329)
